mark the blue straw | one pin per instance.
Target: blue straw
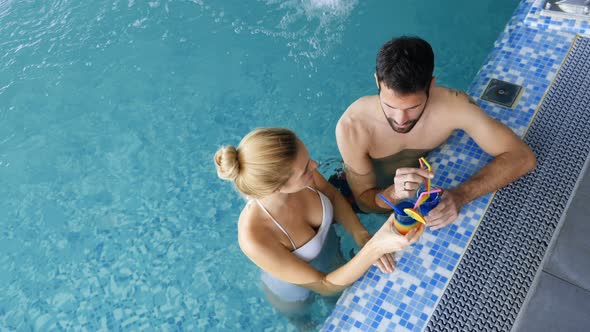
(391, 204)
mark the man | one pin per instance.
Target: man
(381, 137)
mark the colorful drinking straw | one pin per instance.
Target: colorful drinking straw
(413, 212)
(398, 211)
(426, 194)
(425, 165)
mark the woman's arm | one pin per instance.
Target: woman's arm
(274, 258)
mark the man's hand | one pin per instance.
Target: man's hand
(446, 211)
(406, 183)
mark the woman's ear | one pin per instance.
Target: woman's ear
(278, 190)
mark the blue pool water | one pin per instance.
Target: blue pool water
(111, 215)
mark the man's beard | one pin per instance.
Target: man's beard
(403, 130)
(410, 124)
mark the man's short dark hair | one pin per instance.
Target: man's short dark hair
(405, 65)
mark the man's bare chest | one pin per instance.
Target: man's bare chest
(386, 142)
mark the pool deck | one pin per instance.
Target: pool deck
(529, 52)
(562, 285)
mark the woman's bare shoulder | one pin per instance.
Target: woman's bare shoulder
(251, 230)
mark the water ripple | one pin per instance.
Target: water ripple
(311, 28)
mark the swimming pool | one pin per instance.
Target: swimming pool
(110, 211)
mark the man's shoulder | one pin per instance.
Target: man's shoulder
(365, 101)
(455, 108)
(356, 122)
(453, 97)
(357, 112)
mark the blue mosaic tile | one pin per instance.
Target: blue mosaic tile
(529, 53)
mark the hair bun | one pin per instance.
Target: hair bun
(227, 163)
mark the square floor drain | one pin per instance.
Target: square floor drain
(501, 92)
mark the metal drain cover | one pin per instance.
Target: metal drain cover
(575, 7)
(501, 92)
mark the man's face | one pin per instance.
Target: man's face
(402, 111)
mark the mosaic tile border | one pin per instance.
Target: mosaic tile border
(406, 299)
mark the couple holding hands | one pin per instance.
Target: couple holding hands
(286, 223)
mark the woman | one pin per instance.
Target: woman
(291, 206)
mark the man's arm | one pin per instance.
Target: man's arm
(353, 146)
(512, 159)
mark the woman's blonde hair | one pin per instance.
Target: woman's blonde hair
(261, 163)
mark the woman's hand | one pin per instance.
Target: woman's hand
(386, 240)
(386, 263)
